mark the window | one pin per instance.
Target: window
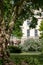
(36, 33)
(28, 32)
(28, 22)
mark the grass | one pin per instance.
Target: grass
(30, 58)
(29, 53)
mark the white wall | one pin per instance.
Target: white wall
(32, 31)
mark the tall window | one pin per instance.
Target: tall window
(28, 32)
(36, 32)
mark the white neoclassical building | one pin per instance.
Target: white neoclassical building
(29, 32)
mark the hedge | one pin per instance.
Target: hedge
(14, 49)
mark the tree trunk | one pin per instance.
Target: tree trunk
(4, 39)
(1, 19)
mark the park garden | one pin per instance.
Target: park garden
(12, 15)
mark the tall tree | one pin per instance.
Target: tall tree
(12, 11)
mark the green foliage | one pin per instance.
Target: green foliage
(0, 61)
(25, 11)
(41, 29)
(17, 29)
(37, 4)
(31, 45)
(29, 59)
(41, 26)
(7, 10)
(14, 49)
(33, 22)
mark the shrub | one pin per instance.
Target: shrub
(0, 61)
(31, 45)
(14, 49)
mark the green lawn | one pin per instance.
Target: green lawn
(24, 53)
(29, 58)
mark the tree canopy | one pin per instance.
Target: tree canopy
(16, 11)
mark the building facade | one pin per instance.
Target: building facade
(29, 32)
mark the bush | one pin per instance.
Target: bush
(0, 61)
(31, 45)
(14, 49)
